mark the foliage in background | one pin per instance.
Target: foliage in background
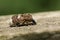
(25, 6)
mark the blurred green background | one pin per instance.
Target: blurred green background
(28, 6)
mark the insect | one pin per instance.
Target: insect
(23, 20)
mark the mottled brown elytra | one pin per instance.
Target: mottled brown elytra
(23, 20)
